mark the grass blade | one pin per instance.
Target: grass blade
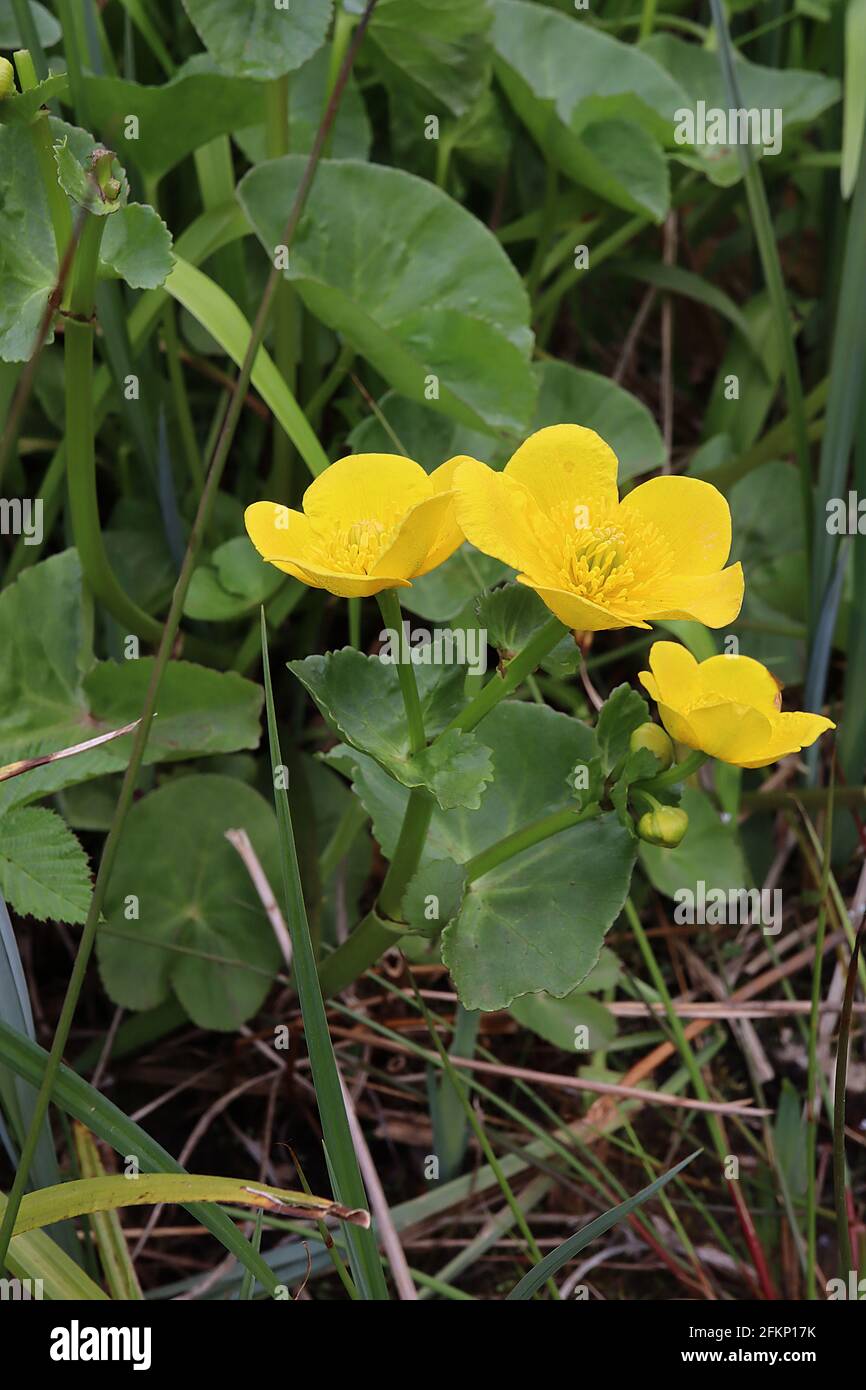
(80, 1100)
(553, 1262)
(349, 1187)
(840, 1167)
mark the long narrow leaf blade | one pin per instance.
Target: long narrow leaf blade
(363, 1250)
(553, 1262)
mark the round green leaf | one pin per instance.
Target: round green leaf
(260, 38)
(412, 280)
(201, 932)
(599, 108)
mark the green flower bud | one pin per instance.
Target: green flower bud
(664, 826)
(7, 78)
(653, 737)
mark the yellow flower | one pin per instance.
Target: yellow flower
(370, 522)
(597, 562)
(727, 706)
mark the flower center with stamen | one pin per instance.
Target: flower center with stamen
(609, 560)
(355, 549)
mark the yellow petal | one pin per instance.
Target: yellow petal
(714, 599)
(499, 516)
(742, 679)
(411, 545)
(343, 585)
(566, 466)
(731, 732)
(365, 487)
(674, 720)
(692, 516)
(580, 614)
(790, 733)
(450, 536)
(674, 676)
(278, 532)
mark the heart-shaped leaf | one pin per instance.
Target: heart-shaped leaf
(182, 915)
(414, 282)
(360, 696)
(260, 38)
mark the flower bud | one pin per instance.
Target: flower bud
(653, 737)
(664, 826)
(7, 78)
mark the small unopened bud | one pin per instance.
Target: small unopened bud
(664, 826)
(653, 737)
(7, 79)
(101, 163)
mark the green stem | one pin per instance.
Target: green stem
(808, 796)
(183, 414)
(317, 402)
(678, 773)
(525, 838)
(80, 447)
(393, 618)
(520, 666)
(413, 833)
(370, 940)
(647, 19)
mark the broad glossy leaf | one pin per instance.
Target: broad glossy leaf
(201, 932)
(506, 942)
(801, 96)
(360, 696)
(260, 38)
(28, 260)
(44, 872)
(414, 282)
(438, 47)
(599, 108)
(175, 118)
(434, 895)
(53, 693)
(570, 395)
(538, 921)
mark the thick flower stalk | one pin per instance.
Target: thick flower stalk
(599, 562)
(370, 522)
(729, 707)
